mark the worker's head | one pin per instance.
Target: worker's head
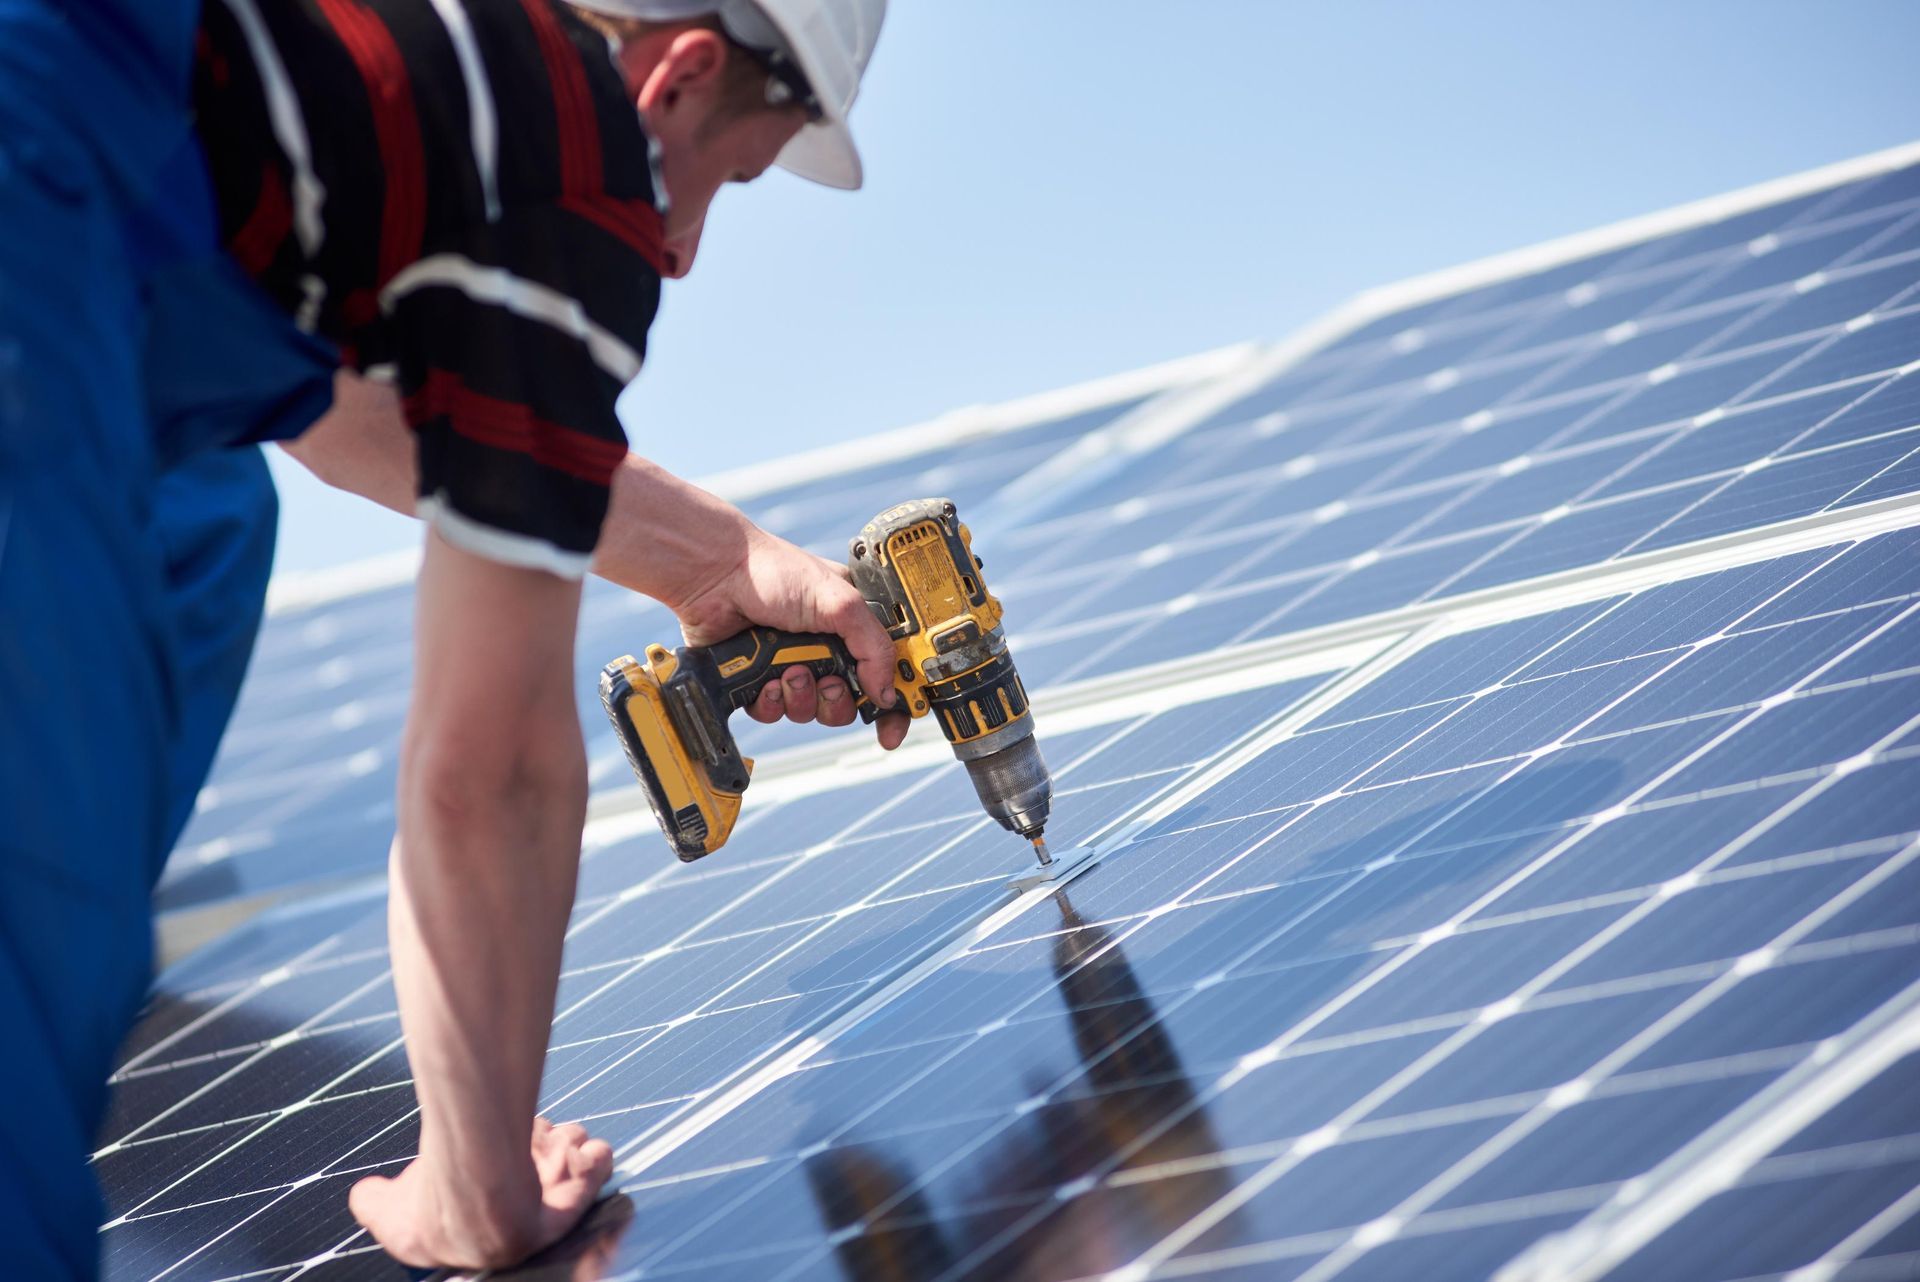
(731, 87)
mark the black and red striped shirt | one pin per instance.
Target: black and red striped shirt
(461, 195)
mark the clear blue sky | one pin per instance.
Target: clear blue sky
(1062, 189)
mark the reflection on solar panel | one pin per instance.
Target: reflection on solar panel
(1531, 888)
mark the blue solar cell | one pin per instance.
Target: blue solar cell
(1890, 407)
(1477, 1251)
(1846, 294)
(1818, 729)
(1516, 719)
(1536, 1049)
(1888, 1105)
(1718, 921)
(1452, 346)
(1463, 664)
(1874, 803)
(1478, 387)
(1795, 485)
(1772, 1227)
(1890, 188)
(1740, 670)
(1396, 579)
(1606, 1140)
(1878, 569)
(1540, 284)
(1889, 343)
(1587, 535)
(1536, 485)
(1712, 384)
(1901, 478)
(1637, 352)
(1737, 229)
(1799, 254)
(1731, 441)
(1628, 298)
(1469, 448)
(1350, 1184)
(1343, 534)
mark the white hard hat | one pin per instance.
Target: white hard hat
(830, 41)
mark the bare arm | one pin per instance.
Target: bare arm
(492, 799)
(665, 538)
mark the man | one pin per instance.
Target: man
(469, 204)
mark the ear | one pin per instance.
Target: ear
(687, 71)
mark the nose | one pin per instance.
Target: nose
(682, 249)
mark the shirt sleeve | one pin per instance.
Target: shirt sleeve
(510, 344)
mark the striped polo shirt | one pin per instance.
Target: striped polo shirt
(460, 194)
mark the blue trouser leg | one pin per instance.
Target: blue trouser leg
(86, 704)
(215, 516)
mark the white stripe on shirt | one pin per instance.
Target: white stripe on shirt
(522, 550)
(289, 126)
(520, 296)
(482, 119)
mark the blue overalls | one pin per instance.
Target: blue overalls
(138, 370)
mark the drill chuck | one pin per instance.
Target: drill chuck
(1013, 782)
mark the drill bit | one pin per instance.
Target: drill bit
(1040, 850)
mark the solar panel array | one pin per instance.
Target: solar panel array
(1534, 886)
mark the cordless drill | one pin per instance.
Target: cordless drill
(915, 566)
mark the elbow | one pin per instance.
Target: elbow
(527, 782)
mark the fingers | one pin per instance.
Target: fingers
(836, 702)
(867, 642)
(593, 1161)
(585, 1166)
(796, 695)
(892, 729)
(554, 1148)
(566, 1155)
(801, 699)
(376, 1204)
(771, 705)
(365, 1199)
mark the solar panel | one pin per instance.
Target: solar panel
(1531, 885)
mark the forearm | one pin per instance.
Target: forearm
(482, 886)
(665, 537)
(493, 795)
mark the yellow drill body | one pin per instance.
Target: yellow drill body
(915, 566)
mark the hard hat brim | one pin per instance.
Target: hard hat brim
(824, 153)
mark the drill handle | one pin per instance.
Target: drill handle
(746, 662)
